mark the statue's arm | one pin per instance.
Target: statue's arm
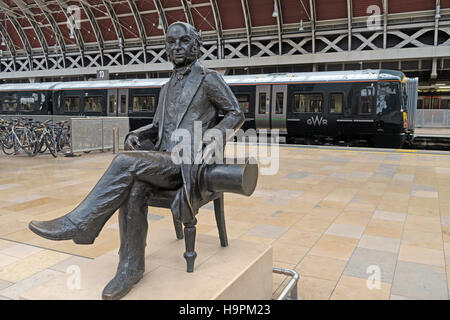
(225, 101)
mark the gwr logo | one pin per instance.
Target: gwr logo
(317, 121)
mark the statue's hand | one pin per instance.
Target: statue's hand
(132, 143)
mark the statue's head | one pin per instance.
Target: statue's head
(183, 43)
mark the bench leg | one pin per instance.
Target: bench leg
(220, 220)
(178, 228)
(190, 254)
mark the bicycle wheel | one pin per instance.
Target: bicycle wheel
(9, 146)
(42, 147)
(28, 142)
(51, 145)
(63, 143)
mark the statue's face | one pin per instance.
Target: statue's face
(180, 46)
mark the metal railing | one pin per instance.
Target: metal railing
(89, 134)
(432, 118)
(291, 287)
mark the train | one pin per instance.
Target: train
(376, 106)
(434, 98)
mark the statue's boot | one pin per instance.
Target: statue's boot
(85, 222)
(133, 234)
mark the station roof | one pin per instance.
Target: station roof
(42, 25)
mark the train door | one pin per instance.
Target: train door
(122, 108)
(436, 103)
(262, 109)
(364, 121)
(426, 103)
(279, 108)
(118, 102)
(112, 102)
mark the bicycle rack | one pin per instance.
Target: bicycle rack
(291, 286)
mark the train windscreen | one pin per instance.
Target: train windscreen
(389, 97)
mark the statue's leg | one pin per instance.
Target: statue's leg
(133, 233)
(85, 222)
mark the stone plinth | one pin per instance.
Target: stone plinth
(242, 271)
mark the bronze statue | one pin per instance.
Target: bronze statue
(193, 93)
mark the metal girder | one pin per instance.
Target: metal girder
(94, 24)
(436, 24)
(19, 30)
(217, 18)
(29, 15)
(349, 23)
(162, 16)
(139, 23)
(385, 21)
(312, 8)
(248, 24)
(279, 25)
(53, 23)
(219, 29)
(117, 26)
(8, 40)
(187, 11)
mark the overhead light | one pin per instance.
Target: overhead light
(275, 10)
(72, 34)
(160, 25)
(301, 25)
(120, 42)
(3, 41)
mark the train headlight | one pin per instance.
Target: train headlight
(405, 120)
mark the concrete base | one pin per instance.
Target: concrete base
(241, 271)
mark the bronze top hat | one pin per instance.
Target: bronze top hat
(239, 177)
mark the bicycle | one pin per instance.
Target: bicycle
(46, 136)
(19, 137)
(62, 133)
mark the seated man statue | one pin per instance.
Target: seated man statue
(193, 93)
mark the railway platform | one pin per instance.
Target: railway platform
(354, 223)
(432, 132)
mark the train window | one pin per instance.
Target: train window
(71, 104)
(388, 97)
(262, 103)
(93, 104)
(279, 103)
(112, 104)
(27, 102)
(244, 102)
(10, 103)
(123, 104)
(436, 103)
(366, 100)
(336, 102)
(445, 104)
(308, 102)
(419, 104)
(427, 103)
(144, 103)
